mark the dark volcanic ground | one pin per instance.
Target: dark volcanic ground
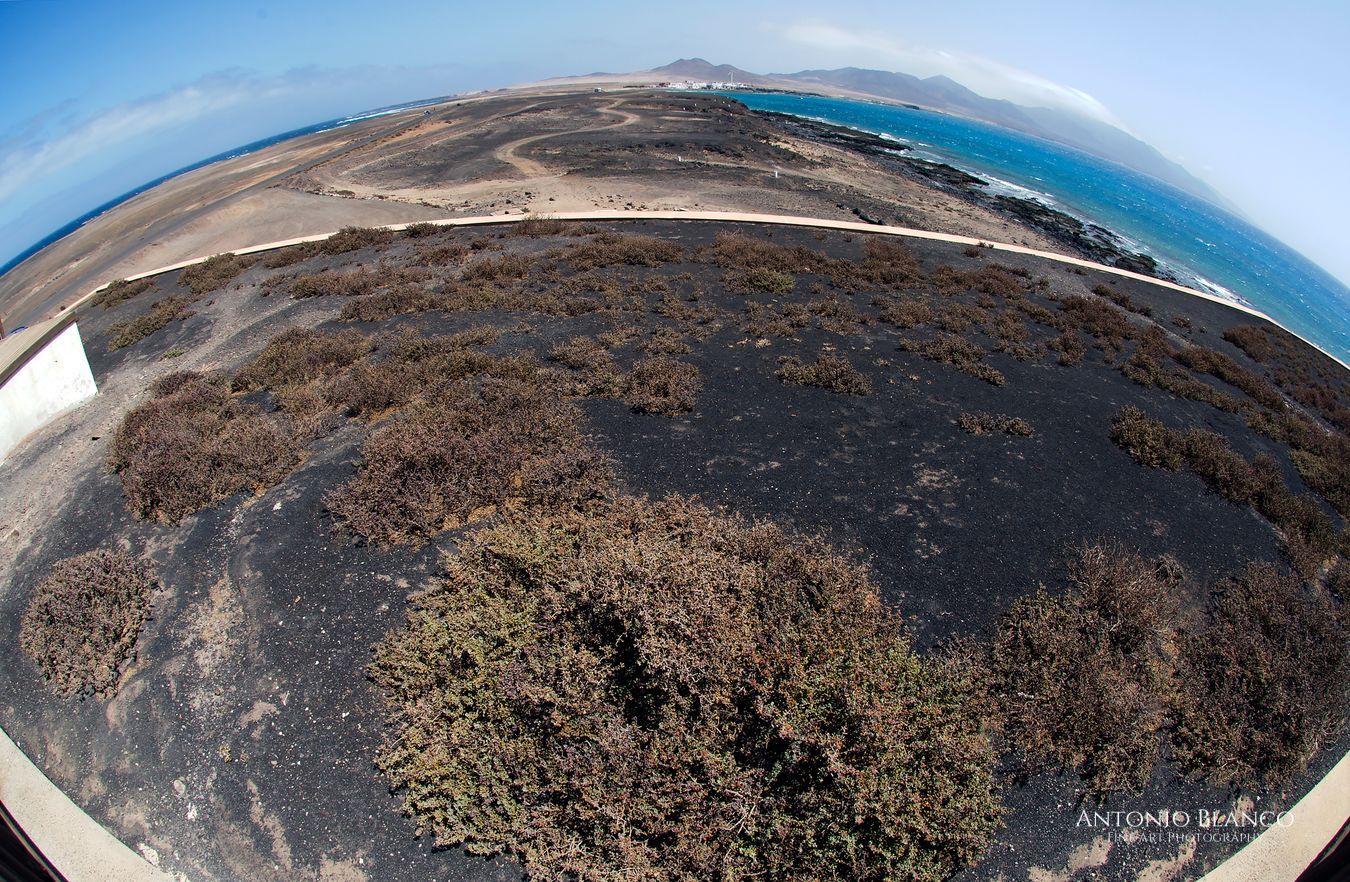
(240, 744)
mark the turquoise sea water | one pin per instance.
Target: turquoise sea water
(1203, 245)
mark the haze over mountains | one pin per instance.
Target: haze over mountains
(945, 94)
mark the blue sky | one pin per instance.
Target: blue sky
(96, 98)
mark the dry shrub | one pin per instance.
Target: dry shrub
(336, 283)
(1123, 300)
(396, 301)
(613, 249)
(468, 450)
(354, 238)
(163, 313)
(827, 372)
(663, 386)
(956, 318)
(536, 225)
(760, 281)
(581, 354)
(1146, 439)
(908, 312)
(423, 229)
(193, 445)
(497, 268)
(1252, 340)
(290, 255)
(1070, 347)
(993, 424)
(764, 320)
(665, 341)
(1103, 322)
(213, 273)
(1308, 532)
(654, 691)
(442, 255)
(1216, 364)
(81, 624)
(299, 355)
(1145, 370)
(740, 251)
(962, 354)
(1266, 681)
(836, 314)
(1083, 678)
(119, 291)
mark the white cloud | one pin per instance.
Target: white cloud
(38, 152)
(989, 78)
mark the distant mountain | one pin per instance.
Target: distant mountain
(945, 94)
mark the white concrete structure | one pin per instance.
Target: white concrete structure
(56, 378)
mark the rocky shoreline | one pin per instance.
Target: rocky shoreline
(1088, 240)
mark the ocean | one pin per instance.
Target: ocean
(1203, 245)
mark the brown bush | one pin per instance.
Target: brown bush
(761, 281)
(81, 624)
(992, 424)
(962, 354)
(1083, 678)
(355, 238)
(1123, 300)
(828, 371)
(1266, 681)
(441, 255)
(665, 341)
(614, 249)
(470, 450)
(1251, 340)
(213, 273)
(744, 252)
(1147, 439)
(193, 445)
(423, 230)
(1101, 321)
(119, 291)
(582, 354)
(655, 691)
(290, 255)
(905, 312)
(1216, 364)
(335, 283)
(163, 313)
(298, 355)
(497, 268)
(535, 225)
(1145, 370)
(663, 386)
(397, 301)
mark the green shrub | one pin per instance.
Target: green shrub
(1266, 681)
(663, 386)
(1083, 678)
(163, 313)
(828, 371)
(653, 691)
(465, 452)
(81, 624)
(193, 445)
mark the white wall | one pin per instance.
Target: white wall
(54, 380)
